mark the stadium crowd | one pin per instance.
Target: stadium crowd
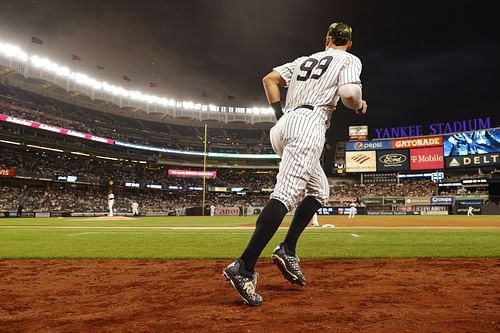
(28, 106)
(85, 199)
(408, 188)
(36, 164)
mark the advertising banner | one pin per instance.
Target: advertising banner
(358, 132)
(393, 160)
(34, 124)
(441, 200)
(394, 201)
(227, 211)
(473, 161)
(191, 173)
(472, 143)
(362, 161)
(8, 172)
(372, 201)
(368, 145)
(428, 141)
(471, 202)
(426, 158)
(417, 200)
(472, 196)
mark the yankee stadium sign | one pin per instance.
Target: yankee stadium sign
(433, 129)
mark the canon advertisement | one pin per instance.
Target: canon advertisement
(361, 161)
(473, 161)
(426, 158)
(368, 145)
(393, 160)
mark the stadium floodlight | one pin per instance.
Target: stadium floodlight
(255, 110)
(115, 90)
(187, 105)
(50, 66)
(12, 51)
(86, 81)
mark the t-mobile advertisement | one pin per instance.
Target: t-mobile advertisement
(426, 158)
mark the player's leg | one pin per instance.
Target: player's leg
(240, 273)
(305, 173)
(297, 159)
(317, 190)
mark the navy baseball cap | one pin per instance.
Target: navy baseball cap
(340, 30)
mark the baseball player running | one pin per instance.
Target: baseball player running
(315, 85)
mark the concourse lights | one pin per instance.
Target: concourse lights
(45, 148)
(11, 142)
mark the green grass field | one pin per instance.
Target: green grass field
(161, 238)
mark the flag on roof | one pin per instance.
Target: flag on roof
(36, 40)
(152, 85)
(99, 67)
(126, 78)
(76, 57)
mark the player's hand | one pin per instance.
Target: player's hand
(363, 109)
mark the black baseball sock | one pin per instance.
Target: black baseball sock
(303, 215)
(267, 223)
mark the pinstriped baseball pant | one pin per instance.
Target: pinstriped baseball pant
(298, 137)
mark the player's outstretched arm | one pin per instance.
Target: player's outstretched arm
(351, 96)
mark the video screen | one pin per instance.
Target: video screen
(472, 143)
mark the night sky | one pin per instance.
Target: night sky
(423, 61)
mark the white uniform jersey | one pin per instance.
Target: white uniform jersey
(315, 80)
(111, 197)
(299, 136)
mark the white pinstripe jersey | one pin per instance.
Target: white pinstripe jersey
(315, 80)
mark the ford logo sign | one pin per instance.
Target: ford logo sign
(392, 159)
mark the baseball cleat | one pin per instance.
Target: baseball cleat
(288, 265)
(244, 285)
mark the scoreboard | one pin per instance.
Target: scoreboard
(456, 150)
